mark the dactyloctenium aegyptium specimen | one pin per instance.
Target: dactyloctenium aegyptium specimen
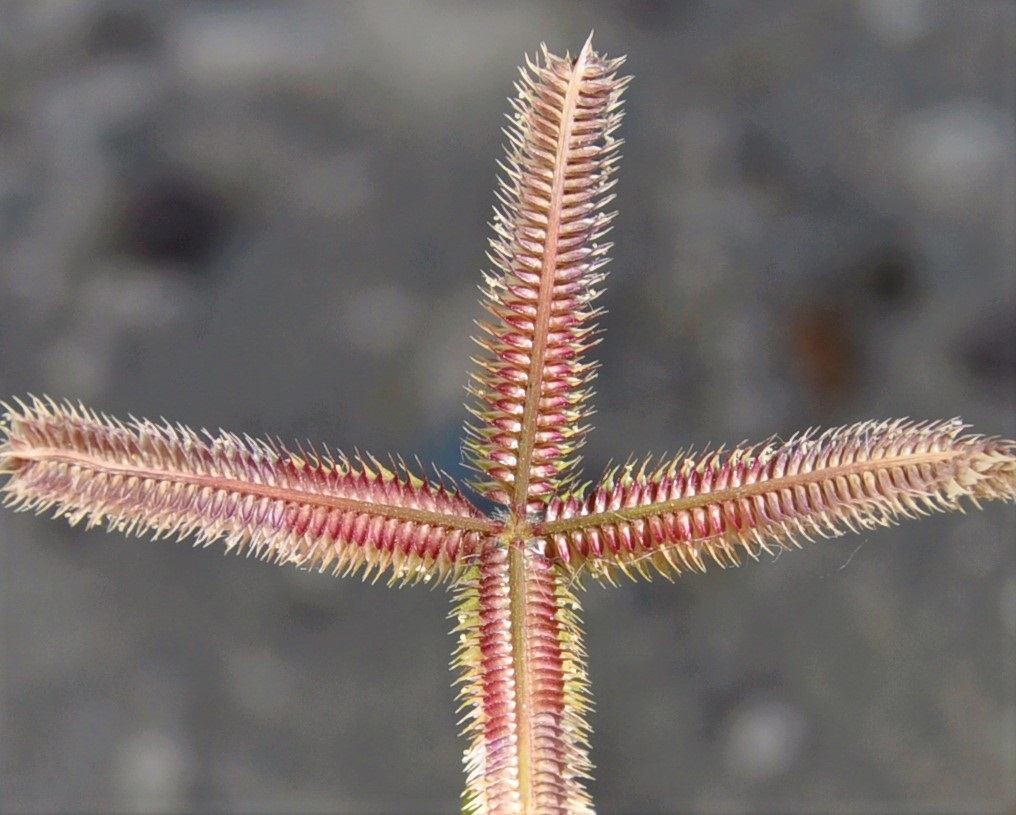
(524, 689)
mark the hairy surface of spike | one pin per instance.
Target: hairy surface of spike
(307, 509)
(676, 515)
(531, 388)
(524, 687)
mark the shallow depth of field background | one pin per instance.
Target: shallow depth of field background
(271, 217)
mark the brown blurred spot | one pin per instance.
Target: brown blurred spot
(824, 352)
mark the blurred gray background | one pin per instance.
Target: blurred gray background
(271, 217)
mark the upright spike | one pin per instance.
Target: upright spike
(530, 399)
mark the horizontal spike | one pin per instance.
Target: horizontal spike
(816, 485)
(258, 497)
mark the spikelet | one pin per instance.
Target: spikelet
(674, 516)
(305, 508)
(532, 386)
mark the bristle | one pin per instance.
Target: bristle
(676, 515)
(308, 509)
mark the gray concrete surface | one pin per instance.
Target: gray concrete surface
(271, 217)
